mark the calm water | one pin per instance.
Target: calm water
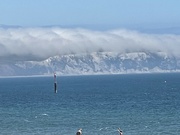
(138, 104)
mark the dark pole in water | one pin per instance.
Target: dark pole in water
(55, 83)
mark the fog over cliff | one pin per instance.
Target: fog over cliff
(34, 44)
(43, 50)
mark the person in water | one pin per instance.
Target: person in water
(79, 132)
(120, 131)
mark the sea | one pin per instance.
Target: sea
(139, 104)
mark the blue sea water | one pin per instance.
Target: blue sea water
(144, 104)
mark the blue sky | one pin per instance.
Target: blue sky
(91, 13)
(87, 26)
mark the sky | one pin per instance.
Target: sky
(85, 26)
(96, 14)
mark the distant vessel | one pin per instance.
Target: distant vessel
(55, 83)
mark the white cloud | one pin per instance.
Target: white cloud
(41, 43)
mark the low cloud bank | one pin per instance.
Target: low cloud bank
(34, 44)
